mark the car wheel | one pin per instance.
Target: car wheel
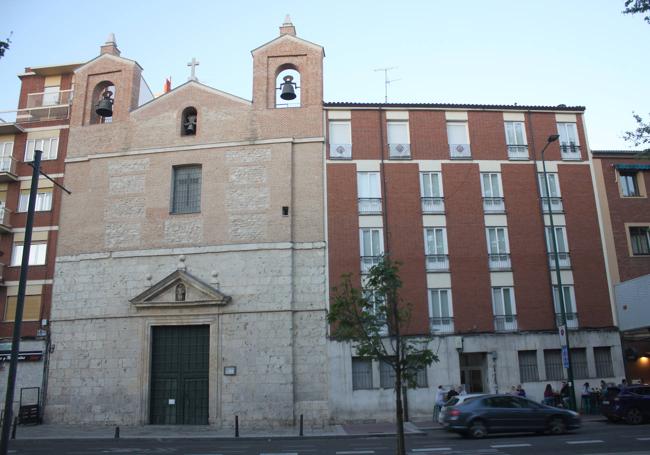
(477, 430)
(556, 425)
(634, 416)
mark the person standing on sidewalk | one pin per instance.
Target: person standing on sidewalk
(439, 402)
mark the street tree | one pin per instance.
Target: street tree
(640, 136)
(4, 45)
(637, 6)
(373, 317)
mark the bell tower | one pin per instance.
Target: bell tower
(288, 60)
(107, 87)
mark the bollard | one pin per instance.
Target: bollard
(236, 426)
(13, 430)
(301, 433)
(117, 433)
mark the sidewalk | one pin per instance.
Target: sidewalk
(51, 431)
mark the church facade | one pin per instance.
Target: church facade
(190, 278)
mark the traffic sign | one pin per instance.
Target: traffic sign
(565, 357)
(561, 330)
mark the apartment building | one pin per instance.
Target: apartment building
(40, 123)
(456, 194)
(622, 181)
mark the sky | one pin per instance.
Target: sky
(573, 52)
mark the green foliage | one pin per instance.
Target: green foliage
(640, 136)
(4, 45)
(637, 6)
(373, 317)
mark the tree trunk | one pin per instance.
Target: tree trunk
(401, 449)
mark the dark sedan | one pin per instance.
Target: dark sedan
(476, 417)
(630, 403)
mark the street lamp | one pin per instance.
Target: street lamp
(556, 258)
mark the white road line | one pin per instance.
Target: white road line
(505, 446)
(590, 441)
(643, 439)
(432, 449)
(278, 453)
(353, 452)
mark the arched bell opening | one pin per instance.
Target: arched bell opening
(189, 121)
(287, 83)
(102, 103)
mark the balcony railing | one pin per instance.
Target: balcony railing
(505, 323)
(570, 151)
(433, 205)
(518, 152)
(571, 320)
(555, 204)
(437, 262)
(441, 325)
(5, 219)
(367, 262)
(399, 151)
(340, 151)
(499, 261)
(563, 258)
(460, 151)
(369, 206)
(494, 205)
(8, 169)
(46, 99)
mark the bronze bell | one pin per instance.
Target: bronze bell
(288, 90)
(105, 105)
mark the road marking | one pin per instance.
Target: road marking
(589, 441)
(643, 439)
(432, 449)
(353, 452)
(278, 453)
(504, 446)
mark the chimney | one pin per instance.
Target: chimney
(287, 28)
(110, 46)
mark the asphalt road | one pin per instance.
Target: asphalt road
(593, 438)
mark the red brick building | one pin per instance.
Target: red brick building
(41, 123)
(622, 180)
(453, 193)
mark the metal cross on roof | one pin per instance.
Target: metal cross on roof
(193, 64)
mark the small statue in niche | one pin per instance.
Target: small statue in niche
(189, 124)
(180, 292)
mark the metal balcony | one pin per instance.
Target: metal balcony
(8, 169)
(552, 203)
(433, 205)
(5, 220)
(571, 320)
(340, 151)
(460, 151)
(563, 259)
(494, 205)
(441, 325)
(367, 262)
(505, 323)
(369, 206)
(437, 262)
(570, 151)
(499, 261)
(49, 99)
(399, 151)
(44, 106)
(517, 152)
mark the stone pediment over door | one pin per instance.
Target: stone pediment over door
(180, 289)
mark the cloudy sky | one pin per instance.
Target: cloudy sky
(578, 52)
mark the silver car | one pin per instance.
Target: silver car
(457, 399)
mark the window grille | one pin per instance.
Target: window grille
(528, 366)
(361, 374)
(579, 363)
(553, 364)
(187, 189)
(603, 359)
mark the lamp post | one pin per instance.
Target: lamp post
(556, 258)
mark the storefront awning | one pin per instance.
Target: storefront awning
(632, 167)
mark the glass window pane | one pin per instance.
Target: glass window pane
(457, 133)
(398, 133)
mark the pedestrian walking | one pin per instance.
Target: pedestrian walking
(549, 396)
(565, 392)
(586, 399)
(438, 403)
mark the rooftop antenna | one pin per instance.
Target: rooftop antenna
(386, 80)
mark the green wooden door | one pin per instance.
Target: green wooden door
(179, 375)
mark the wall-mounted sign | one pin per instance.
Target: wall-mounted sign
(229, 371)
(29, 356)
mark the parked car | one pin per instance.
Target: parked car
(629, 403)
(455, 400)
(478, 416)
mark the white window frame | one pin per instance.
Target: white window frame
(43, 200)
(49, 146)
(499, 307)
(376, 238)
(368, 185)
(568, 132)
(427, 180)
(51, 96)
(487, 186)
(561, 241)
(458, 123)
(569, 302)
(335, 140)
(397, 133)
(513, 126)
(442, 327)
(553, 184)
(439, 244)
(6, 156)
(496, 230)
(37, 254)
